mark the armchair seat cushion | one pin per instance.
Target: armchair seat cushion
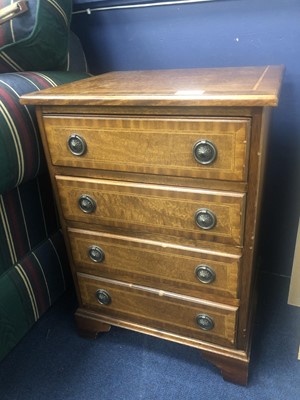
(29, 288)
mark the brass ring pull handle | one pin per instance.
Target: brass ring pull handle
(103, 297)
(205, 274)
(204, 152)
(87, 204)
(205, 219)
(205, 322)
(96, 254)
(77, 145)
(13, 10)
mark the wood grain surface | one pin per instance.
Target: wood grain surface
(152, 145)
(160, 310)
(231, 86)
(157, 264)
(154, 209)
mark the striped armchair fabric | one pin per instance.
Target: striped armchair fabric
(33, 263)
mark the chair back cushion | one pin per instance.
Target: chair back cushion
(36, 39)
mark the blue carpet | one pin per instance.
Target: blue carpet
(53, 362)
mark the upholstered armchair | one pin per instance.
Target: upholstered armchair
(33, 262)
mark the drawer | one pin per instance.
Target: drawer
(165, 311)
(167, 146)
(151, 210)
(192, 272)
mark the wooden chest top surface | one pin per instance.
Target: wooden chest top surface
(232, 86)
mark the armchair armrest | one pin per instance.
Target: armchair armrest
(21, 154)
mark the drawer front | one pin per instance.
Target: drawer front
(152, 145)
(187, 271)
(165, 311)
(152, 210)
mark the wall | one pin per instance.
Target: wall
(221, 33)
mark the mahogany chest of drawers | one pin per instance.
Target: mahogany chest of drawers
(158, 178)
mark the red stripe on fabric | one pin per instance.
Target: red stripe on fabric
(2, 37)
(37, 79)
(5, 67)
(35, 276)
(15, 219)
(27, 140)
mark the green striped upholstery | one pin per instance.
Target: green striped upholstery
(27, 217)
(33, 262)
